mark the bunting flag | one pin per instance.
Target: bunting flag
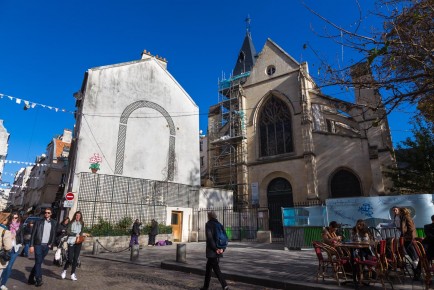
(25, 163)
(30, 104)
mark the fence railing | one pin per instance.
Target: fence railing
(302, 237)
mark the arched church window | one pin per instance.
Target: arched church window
(275, 128)
(344, 183)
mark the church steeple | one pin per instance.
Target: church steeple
(247, 55)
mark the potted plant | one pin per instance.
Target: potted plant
(94, 162)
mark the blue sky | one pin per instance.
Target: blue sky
(48, 45)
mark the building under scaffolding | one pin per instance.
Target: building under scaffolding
(227, 140)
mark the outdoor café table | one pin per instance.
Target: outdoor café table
(352, 247)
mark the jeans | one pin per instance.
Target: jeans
(213, 264)
(25, 252)
(73, 254)
(134, 240)
(7, 271)
(40, 252)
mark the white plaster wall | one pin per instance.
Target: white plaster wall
(109, 91)
(215, 197)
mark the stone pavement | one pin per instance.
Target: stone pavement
(268, 265)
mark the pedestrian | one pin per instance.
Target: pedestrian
(153, 233)
(14, 225)
(135, 233)
(61, 230)
(428, 244)
(42, 239)
(6, 245)
(213, 254)
(408, 233)
(74, 230)
(329, 235)
(27, 234)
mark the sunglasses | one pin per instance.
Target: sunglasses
(47, 212)
(15, 217)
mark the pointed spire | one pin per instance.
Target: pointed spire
(247, 55)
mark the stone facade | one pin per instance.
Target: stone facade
(4, 140)
(295, 145)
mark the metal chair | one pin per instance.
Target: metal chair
(332, 260)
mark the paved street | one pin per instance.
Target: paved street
(102, 274)
(246, 265)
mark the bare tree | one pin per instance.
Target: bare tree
(400, 54)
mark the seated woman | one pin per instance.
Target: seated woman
(329, 235)
(360, 234)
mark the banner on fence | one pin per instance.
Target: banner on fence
(375, 210)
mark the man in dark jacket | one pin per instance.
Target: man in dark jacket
(135, 233)
(43, 236)
(153, 233)
(213, 254)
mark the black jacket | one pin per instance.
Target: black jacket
(136, 229)
(38, 230)
(211, 247)
(154, 228)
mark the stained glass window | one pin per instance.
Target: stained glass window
(275, 128)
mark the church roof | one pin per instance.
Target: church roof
(246, 57)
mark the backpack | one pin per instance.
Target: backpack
(220, 236)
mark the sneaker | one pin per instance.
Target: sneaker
(414, 263)
(3, 287)
(63, 275)
(73, 277)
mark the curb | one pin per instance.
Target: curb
(287, 285)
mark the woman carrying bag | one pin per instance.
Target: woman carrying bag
(75, 239)
(14, 224)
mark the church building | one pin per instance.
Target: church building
(277, 141)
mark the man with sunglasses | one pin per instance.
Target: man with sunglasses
(43, 236)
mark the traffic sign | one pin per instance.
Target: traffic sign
(68, 203)
(69, 196)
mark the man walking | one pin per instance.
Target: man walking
(43, 235)
(213, 254)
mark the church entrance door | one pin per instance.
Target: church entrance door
(279, 194)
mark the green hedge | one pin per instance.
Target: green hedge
(122, 228)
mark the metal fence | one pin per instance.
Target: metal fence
(114, 197)
(240, 225)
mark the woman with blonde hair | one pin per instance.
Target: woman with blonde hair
(408, 233)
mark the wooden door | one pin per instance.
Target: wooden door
(176, 222)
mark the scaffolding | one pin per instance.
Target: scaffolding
(227, 140)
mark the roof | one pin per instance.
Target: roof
(60, 145)
(246, 57)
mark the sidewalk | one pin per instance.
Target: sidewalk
(268, 265)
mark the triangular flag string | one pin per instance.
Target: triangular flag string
(30, 104)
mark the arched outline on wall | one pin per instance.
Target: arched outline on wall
(120, 151)
(346, 169)
(257, 113)
(263, 185)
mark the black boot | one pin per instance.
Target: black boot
(39, 282)
(31, 280)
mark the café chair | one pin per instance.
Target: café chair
(329, 258)
(426, 267)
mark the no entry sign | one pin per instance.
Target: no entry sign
(69, 196)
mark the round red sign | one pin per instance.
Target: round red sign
(69, 196)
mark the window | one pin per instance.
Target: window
(201, 161)
(201, 146)
(275, 128)
(271, 69)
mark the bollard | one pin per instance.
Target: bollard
(95, 248)
(181, 253)
(134, 252)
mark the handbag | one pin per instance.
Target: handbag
(80, 239)
(5, 256)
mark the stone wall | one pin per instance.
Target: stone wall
(118, 243)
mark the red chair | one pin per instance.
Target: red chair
(331, 260)
(426, 267)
